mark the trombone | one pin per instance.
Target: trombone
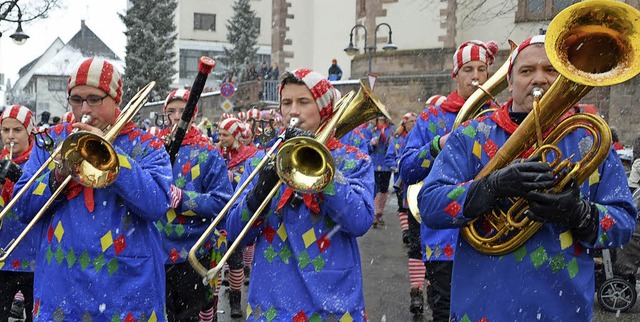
(91, 159)
(304, 164)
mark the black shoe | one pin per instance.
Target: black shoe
(405, 237)
(417, 301)
(234, 304)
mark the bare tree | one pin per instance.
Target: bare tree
(30, 9)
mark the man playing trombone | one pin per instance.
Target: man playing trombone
(307, 263)
(16, 273)
(100, 255)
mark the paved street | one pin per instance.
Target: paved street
(386, 278)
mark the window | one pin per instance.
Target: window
(256, 22)
(189, 62)
(536, 10)
(204, 21)
(57, 85)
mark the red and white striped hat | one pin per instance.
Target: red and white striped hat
(474, 50)
(538, 39)
(225, 116)
(408, 115)
(178, 94)
(321, 89)
(435, 100)
(98, 73)
(68, 117)
(242, 116)
(233, 126)
(154, 130)
(254, 113)
(21, 113)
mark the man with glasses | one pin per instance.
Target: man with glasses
(99, 257)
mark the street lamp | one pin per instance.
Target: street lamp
(352, 50)
(19, 37)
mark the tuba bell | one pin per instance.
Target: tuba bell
(592, 43)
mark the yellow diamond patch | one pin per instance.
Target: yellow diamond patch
(594, 178)
(171, 215)
(59, 232)
(106, 241)
(428, 251)
(426, 163)
(124, 161)
(195, 172)
(153, 317)
(346, 318)
(39, 189)
(477, 149)
(282, 232)
(566, 239)
(309, 237)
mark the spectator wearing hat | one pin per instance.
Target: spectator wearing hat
(392, 159)
(437, 248)
(335, 72)
(307, 264)
(551, 276)
(235, 154)
(198, 193)
(108, 261)
(16, 275)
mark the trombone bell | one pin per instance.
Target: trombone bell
(305, 165)
(92, 160)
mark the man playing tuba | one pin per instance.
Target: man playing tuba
(551, 276)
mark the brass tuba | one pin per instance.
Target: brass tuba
(592, 43)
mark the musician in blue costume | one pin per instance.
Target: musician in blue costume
(551, 276)
(436, 248)
(199, 191)
(100, 254)
(16, 272)
(307, 263)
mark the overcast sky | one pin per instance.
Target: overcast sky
(101, 17)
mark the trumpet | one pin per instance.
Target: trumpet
(89, 158)
(302, 163)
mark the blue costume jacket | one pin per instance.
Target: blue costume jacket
(416, 163)
(201, 173)
(307, 264)
(392, 159)
(106, 264)
(378, 151)
(358, 137)
(23, 258)
(550, 277)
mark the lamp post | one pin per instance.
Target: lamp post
(19, 37)
(352, 50)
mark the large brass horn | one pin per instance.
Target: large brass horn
(593, 43)
(304, 164)
(90, 158)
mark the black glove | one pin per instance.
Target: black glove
(514, 180)
(292, 132)
(566, 209)
(9, 170)
(520, 177)
(267, 179)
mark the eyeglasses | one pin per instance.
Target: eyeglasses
(93, 101)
